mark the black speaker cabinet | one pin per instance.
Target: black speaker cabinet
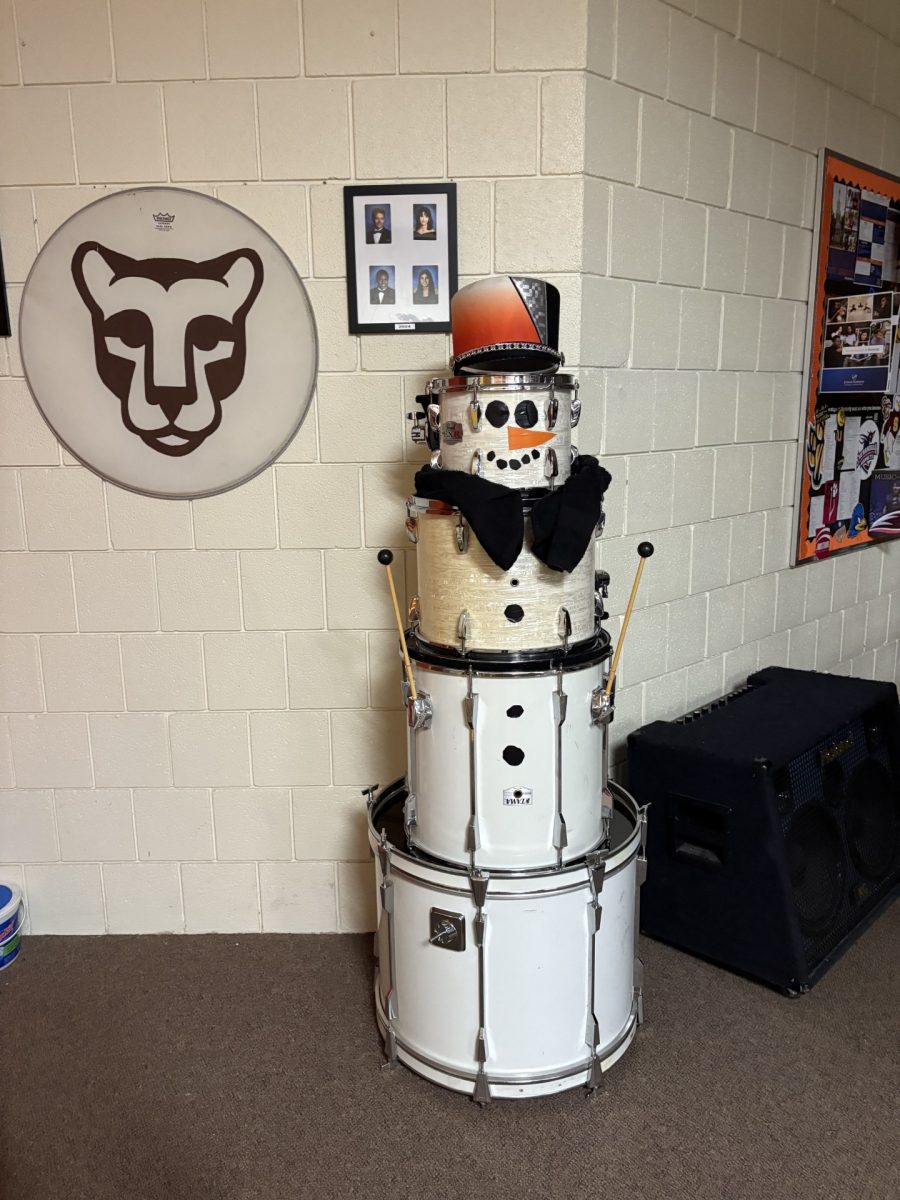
(773, 835)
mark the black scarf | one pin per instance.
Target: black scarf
(562, 521)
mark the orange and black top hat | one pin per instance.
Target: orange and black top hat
(505, 325)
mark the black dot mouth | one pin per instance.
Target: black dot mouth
(514, 464)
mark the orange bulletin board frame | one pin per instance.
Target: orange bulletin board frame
(817, 539)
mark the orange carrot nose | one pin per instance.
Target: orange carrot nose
(521, 439)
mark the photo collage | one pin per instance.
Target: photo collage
(863, 236)
(400, 273)
(853, 441)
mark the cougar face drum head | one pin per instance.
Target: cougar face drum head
(505, 324)
(168, 342)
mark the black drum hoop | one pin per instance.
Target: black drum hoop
(578, 656)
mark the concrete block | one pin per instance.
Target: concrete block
(245, 670)
(192, 109)
(64, 509)
(99, 115)
(298, 897)
(129, 750)
(398, 128)
(198, 590)
(282, 589)
(63, 45)
(252, 42)
(82, 673)
(163, 41)
(357, 39)
(290, 749)
(252, 823)
(220, 897)
(95, 824)
(304, 129)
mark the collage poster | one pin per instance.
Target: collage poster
(849, 482)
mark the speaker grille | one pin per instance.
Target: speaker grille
(842, 833)
(815, 862)
(873, 819)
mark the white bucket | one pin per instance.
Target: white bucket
(12, 917)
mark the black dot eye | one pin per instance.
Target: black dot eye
(515, 710)
(497, 413)
(513, 755)
(526, 414)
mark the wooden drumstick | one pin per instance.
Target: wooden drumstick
(645, 549)
(386, 557)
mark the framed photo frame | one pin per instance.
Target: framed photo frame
(5, 326)
(401, 257)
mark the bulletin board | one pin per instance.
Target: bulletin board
(848, 477)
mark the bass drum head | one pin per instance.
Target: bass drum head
(168, 342)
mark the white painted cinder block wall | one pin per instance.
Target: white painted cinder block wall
(195, 693)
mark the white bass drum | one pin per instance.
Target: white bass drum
(507, 986)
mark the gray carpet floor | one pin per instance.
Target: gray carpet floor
(227, 1067)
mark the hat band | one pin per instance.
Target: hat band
(459, 360)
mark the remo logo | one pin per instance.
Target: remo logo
(168, 342)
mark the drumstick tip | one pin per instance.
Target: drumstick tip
(385, 557)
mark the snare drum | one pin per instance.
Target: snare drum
(466, 602)
(508, 760)
(507, 985)
(512, 429)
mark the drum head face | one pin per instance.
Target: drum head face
(168, 342)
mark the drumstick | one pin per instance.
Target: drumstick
(645, 549)
(386, 557)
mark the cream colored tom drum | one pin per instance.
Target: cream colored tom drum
(466, 602)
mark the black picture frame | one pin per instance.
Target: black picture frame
(391, 257)
(5, 324)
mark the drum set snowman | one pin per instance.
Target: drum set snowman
(508, 865)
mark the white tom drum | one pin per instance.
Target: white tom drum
(512, 429)
(508, 760)
(467, 602)
(503, 985)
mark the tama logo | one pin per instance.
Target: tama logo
(835, 750)
(164, 221)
